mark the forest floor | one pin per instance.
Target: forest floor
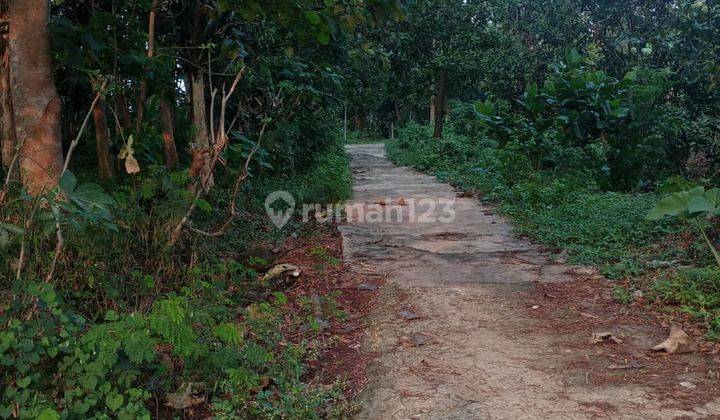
(475, 322)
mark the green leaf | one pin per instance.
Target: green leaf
(313, 18)
(68, 182)
(48, 414)
(114, 401)
(229, 333)
(140, 347)
(674, 205)
(700, 205)
(17, 230)
(620, 112)
(323, 38)
(24, 382)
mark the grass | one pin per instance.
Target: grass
(566, 210)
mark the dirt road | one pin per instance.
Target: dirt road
(473, 322)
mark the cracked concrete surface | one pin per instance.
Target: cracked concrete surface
(474, 351)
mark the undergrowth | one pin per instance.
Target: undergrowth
(134, 329)
(563, 208)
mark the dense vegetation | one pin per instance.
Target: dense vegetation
(578, 122)
(141, 137)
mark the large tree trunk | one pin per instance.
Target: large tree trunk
(168, 129)
(440, 103)
(7, 117)
(35, 100)
(102, 141)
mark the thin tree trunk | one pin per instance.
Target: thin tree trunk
(34, 97)
(7, 117)
(142, 97)
(361, 121)
(102, 141)
(168, 129)
(440, 103)
(123, 111)
(201, 142)
(432, 109)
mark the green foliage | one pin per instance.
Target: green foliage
(695, 204)
(698, 293)
(64, 354)
(560, 209)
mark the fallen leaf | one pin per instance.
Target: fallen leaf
(185, 397)
(604, 336)
(588, 315)
(677, 343)
(367, 287)
(281, 269)
(688, 385)
(408, 315)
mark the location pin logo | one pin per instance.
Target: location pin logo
(280, 217)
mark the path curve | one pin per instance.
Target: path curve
(474, 350)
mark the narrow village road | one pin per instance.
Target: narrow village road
(455, 333)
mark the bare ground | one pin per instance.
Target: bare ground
(474, 322)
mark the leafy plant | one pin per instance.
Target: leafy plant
(696, 205)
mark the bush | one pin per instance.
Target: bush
(126, 319)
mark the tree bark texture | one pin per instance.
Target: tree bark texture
(440, 103)
(167, 122)
(35, 100)
(102, 141)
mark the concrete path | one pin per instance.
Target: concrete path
(453, 333)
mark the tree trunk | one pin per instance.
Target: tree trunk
(440, 103)
(34, 97)
(7, 117)
(123, 112)
(201, 143)
(361, 121)
(168, 129)
(432, 109)
(142, 97)
(102, 141)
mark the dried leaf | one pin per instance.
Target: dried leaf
(131, 164)
(677, 343)
(604, 336)
(281, 269)
(408, 315)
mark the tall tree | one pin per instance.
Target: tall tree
(35, 100)
(102, 141)
(7, 117)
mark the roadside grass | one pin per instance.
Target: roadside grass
(604, 229)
